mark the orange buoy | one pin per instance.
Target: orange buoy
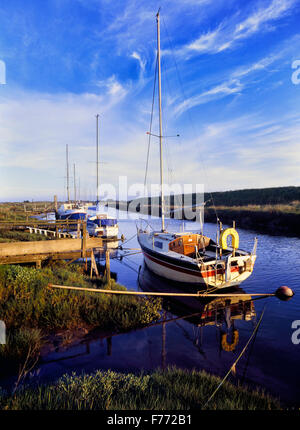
(284, 293)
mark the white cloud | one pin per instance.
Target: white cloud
(233, 86)
(139, 59)
(229, 32)
(114, 88)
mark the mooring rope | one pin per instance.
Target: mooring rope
(234, 364)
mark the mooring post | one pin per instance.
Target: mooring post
(78, 229)
(93, 265)
(83, 242)
(107, 266)
(55, 203)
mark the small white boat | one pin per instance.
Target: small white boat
(103, 226)
(71, 211)
(100, 223)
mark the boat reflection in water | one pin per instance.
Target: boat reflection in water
(220, 312)
(176, 339)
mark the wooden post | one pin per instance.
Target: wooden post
(93, 265)
(107, 267)
(55, 203)
(83, 246)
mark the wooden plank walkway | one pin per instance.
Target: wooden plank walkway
(37, 251)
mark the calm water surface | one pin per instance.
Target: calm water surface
(194, 342)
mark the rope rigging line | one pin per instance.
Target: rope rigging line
(188, 112)
(151, 120)
(234, 364)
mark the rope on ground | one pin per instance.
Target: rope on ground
(232, 368)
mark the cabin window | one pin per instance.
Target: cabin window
(180, 242)
(158, 244)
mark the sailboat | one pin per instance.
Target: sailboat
(99, 223)
(71, 210)
(193, 258)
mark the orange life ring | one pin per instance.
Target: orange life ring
(226, 346)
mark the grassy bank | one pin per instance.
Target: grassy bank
(31, 310)
(7, 236)
(274, 211)
(16, 211)
(282, 220)
(172, 389)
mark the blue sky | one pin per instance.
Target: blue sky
(227, 90)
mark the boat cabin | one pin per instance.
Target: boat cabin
(190, 244)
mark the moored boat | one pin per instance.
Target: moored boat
(192, 258)
(71, 211)
(103, 226)
(100, 223)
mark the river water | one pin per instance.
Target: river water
(195, 342)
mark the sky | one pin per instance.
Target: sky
(230, 89)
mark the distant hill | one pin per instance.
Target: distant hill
(255, 196)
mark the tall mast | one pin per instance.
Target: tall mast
(74, 183)
(67, 161)
(160, 128)
(97, 154)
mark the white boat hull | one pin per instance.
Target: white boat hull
(217, 274)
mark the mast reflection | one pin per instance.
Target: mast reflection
(220, 312)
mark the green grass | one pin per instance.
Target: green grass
(293, 207)
(172, 389)
(26, 302)
(21, 236)
(15, 211)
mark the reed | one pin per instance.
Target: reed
(26, 302)
(170, 389)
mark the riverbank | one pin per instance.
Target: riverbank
(270, 220)
(276, 220)
(170, 389)
(33, 312)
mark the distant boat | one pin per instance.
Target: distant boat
(192, 258)
(71, 210)
(99, 223)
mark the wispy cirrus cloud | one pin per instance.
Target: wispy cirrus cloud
(114, 89)
(227, 34)
(141, 62)
(233, 86)
(241, 78)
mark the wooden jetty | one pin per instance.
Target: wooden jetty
(43, 224)
(38, 251)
